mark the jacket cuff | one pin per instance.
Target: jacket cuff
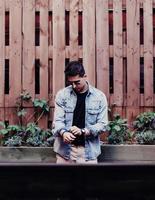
(62, 131)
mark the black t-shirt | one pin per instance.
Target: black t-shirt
(79, 117)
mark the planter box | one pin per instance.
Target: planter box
(110, 153)
(27, 154)
(127, 153)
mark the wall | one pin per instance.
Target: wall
(114, 40)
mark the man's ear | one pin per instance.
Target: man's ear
(85, 75)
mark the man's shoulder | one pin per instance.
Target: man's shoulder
(96, 91)
(64, 91)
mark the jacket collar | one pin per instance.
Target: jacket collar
(90, 89)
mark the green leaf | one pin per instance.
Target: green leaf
(21, 113)
(117, 128)
(43, 104)
(25, 96)
(2, 124)
(32, 128)
(4, 131)
(14, 128)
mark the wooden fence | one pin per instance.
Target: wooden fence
(114, 39)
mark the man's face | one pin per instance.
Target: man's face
(78, 83)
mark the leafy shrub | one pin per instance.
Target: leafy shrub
(144, 126)
(28, 133)
(119, 132)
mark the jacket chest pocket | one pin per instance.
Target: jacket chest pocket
(92, 115)
(69, 114)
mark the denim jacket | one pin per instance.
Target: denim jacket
(96, 120)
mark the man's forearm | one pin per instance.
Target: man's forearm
(96, 129)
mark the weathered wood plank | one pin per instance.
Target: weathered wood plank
(80, 5)
(89, 39)
(148, 53)
(67, 5)
(118, 51)
(50, 5)
(43, 55)
(2, 51)
(74, 5)
(44, 49)
(133, 59)
(58, 45)
(2, 115)
(16, 50)
(131, 113)
(102, 46)
(28, 71)
(29, 116)
(11, 116)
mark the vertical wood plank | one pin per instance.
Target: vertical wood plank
(29, 117)
(131, 113)
(148, 53)
(118, 61)
(89, 39)
(50, 5)
(2, 116)
(67, 4)
(133, 60)
(50, 80)
(11, 116)
(2, 51)
(80, 5)
(50, 25)
(51, 113)
(43, 56)
(15, 53)
(44, 49)
(6, 5)
(74, 5)
(28, 71)
(102, 46)
(58, 45)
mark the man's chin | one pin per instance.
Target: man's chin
(77, 90)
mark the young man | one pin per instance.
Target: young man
(80, 116)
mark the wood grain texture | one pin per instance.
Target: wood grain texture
(100, 21)
(102, 46)
(133, 57)
(2, 52)
(89, 39)
(148, 53)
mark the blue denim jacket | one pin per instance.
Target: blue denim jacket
(96, 120)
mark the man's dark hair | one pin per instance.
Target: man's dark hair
(74, 68)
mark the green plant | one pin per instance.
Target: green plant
(27, 132)
(38, 137)
(119, 132)
(144, 126)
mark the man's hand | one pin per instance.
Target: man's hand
(75, 130)
(68, 137)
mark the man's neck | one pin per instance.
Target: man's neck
(85, 88)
